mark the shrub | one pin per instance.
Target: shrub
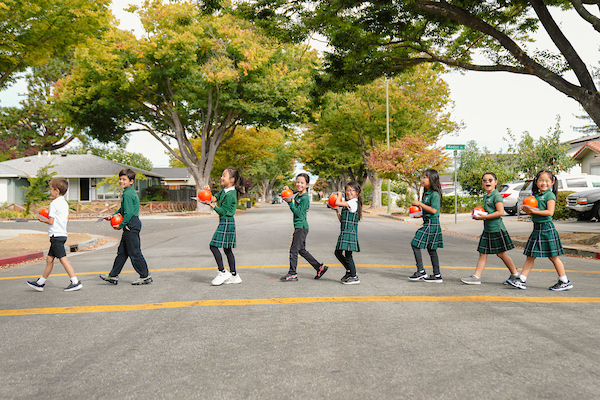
(464, 204)
(156, 193)
(366, 192)
(560, 210)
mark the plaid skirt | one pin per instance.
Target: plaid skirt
(543, 241)
(495, 242)
(348, 240)
(429, 236)
(225, 234)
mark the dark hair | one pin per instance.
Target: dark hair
(356, 186)
(237, 179)
(59, 183)
(535, 189)
(127, 172)
(490, 173)
(434, 180)
(305, 175)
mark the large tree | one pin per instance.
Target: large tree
(192, 75)
(370, 38)
(32, 31)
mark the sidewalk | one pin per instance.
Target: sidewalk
(519, 230)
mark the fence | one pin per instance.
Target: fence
(104, 207)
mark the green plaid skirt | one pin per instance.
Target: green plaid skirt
(543, 241)
(495, 242)
(225, 234)
(348, 240)
(429, 236)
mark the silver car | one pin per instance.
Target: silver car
(510, 196)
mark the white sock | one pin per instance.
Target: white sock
(478, 277)
(523, 278)
(517, 274)
(74, 280)
(41, 280)
(563, 279)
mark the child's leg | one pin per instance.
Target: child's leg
(527, 267)
(508, 262)
(297, 243)
(434, 261)
(67, 265)
(218, 258)
(230, 259)
(480, 264)
(133, 243)
(558, 265)
(350, 263)
(49, 266)
(306, 255)
(120, 259)
(341, 258)
(418, 258)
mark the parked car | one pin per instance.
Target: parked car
(510, 195)
(393, 196)
(449, 191)
(565, 182)
(586, 204)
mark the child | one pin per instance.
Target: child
(429, 236)
(348, 239)
(58, 216)
(130, 241)
(225, 234)
(494, 239)
(544, 240)
(299, 206)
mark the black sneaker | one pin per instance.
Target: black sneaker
(417, 276)
(345, 276)
(110, 279)
(561, 286)
(351, 280)
(434, 278)
(142, 281)
(289, 278)
(36, 286)
(73, 286)
(321, 271)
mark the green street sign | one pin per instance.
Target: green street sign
(455, 147)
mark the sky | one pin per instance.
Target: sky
(488, 103)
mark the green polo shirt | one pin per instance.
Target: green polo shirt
(299, 207)
(226, 203)
(433, 200)
(543, 199)
(130, 206)
(489, 205)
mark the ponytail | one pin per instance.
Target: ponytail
(237, 180)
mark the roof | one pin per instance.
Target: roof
(593, 146)
(173, 173)
(66, 166)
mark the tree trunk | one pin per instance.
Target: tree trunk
(376, 182)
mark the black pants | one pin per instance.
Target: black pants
(219, 259)
(299, 247)
(130, 248)
(434, 260)
(346, 260)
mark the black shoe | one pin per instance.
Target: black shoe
(351, 280)
(142, 281)
(345, 276)
(434, 278)
(36, 286)
(289, 278)
(321, 271)
(417, 276)
(73, 286)
(110, 279)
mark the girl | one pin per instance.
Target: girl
(225, 203)
(348, 239)
(429, 236)
(494, 239)
(544, 240)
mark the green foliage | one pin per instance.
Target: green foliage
(113, 182)
(464, 204)
(38, 189)
(366, 193)
(156, 193)
(118, 154)
(407, 196)
(560, 209)
(473, 163)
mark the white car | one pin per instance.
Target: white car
(510, 195)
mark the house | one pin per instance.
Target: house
(83, 171)
(588, 156)
(175, 178)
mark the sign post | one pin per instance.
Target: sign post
(456, 148)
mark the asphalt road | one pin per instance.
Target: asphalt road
(388, 337)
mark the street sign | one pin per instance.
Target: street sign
(455, 147)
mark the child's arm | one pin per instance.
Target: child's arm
(300, 209)
(49, 220)
(339, 202)
(496, 214)
(424, 207)
(213, 199)
(548, 212)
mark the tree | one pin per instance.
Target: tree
(116, 154)
(32, 31)
(406, 160)
(38, 189)
(473, 163)
(352, 123)
(191, 76)
(37, 125)
(113, 182)
(370, 38)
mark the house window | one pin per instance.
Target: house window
(595, 169)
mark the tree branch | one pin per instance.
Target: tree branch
(585, 14)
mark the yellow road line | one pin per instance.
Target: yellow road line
(299, 266)
(291, 300)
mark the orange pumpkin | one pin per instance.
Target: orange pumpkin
(116, 220)
(204, 195)
(44, 213)
(332, 200)
(287, 193)
(530, 201)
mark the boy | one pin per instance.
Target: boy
(58, 216)
(299, 207)
(130, 241)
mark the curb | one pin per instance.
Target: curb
(39, 254)
(571, 251)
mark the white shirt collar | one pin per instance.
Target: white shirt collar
(229, 189)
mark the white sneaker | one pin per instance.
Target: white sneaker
(221, 278)
(234, 279)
